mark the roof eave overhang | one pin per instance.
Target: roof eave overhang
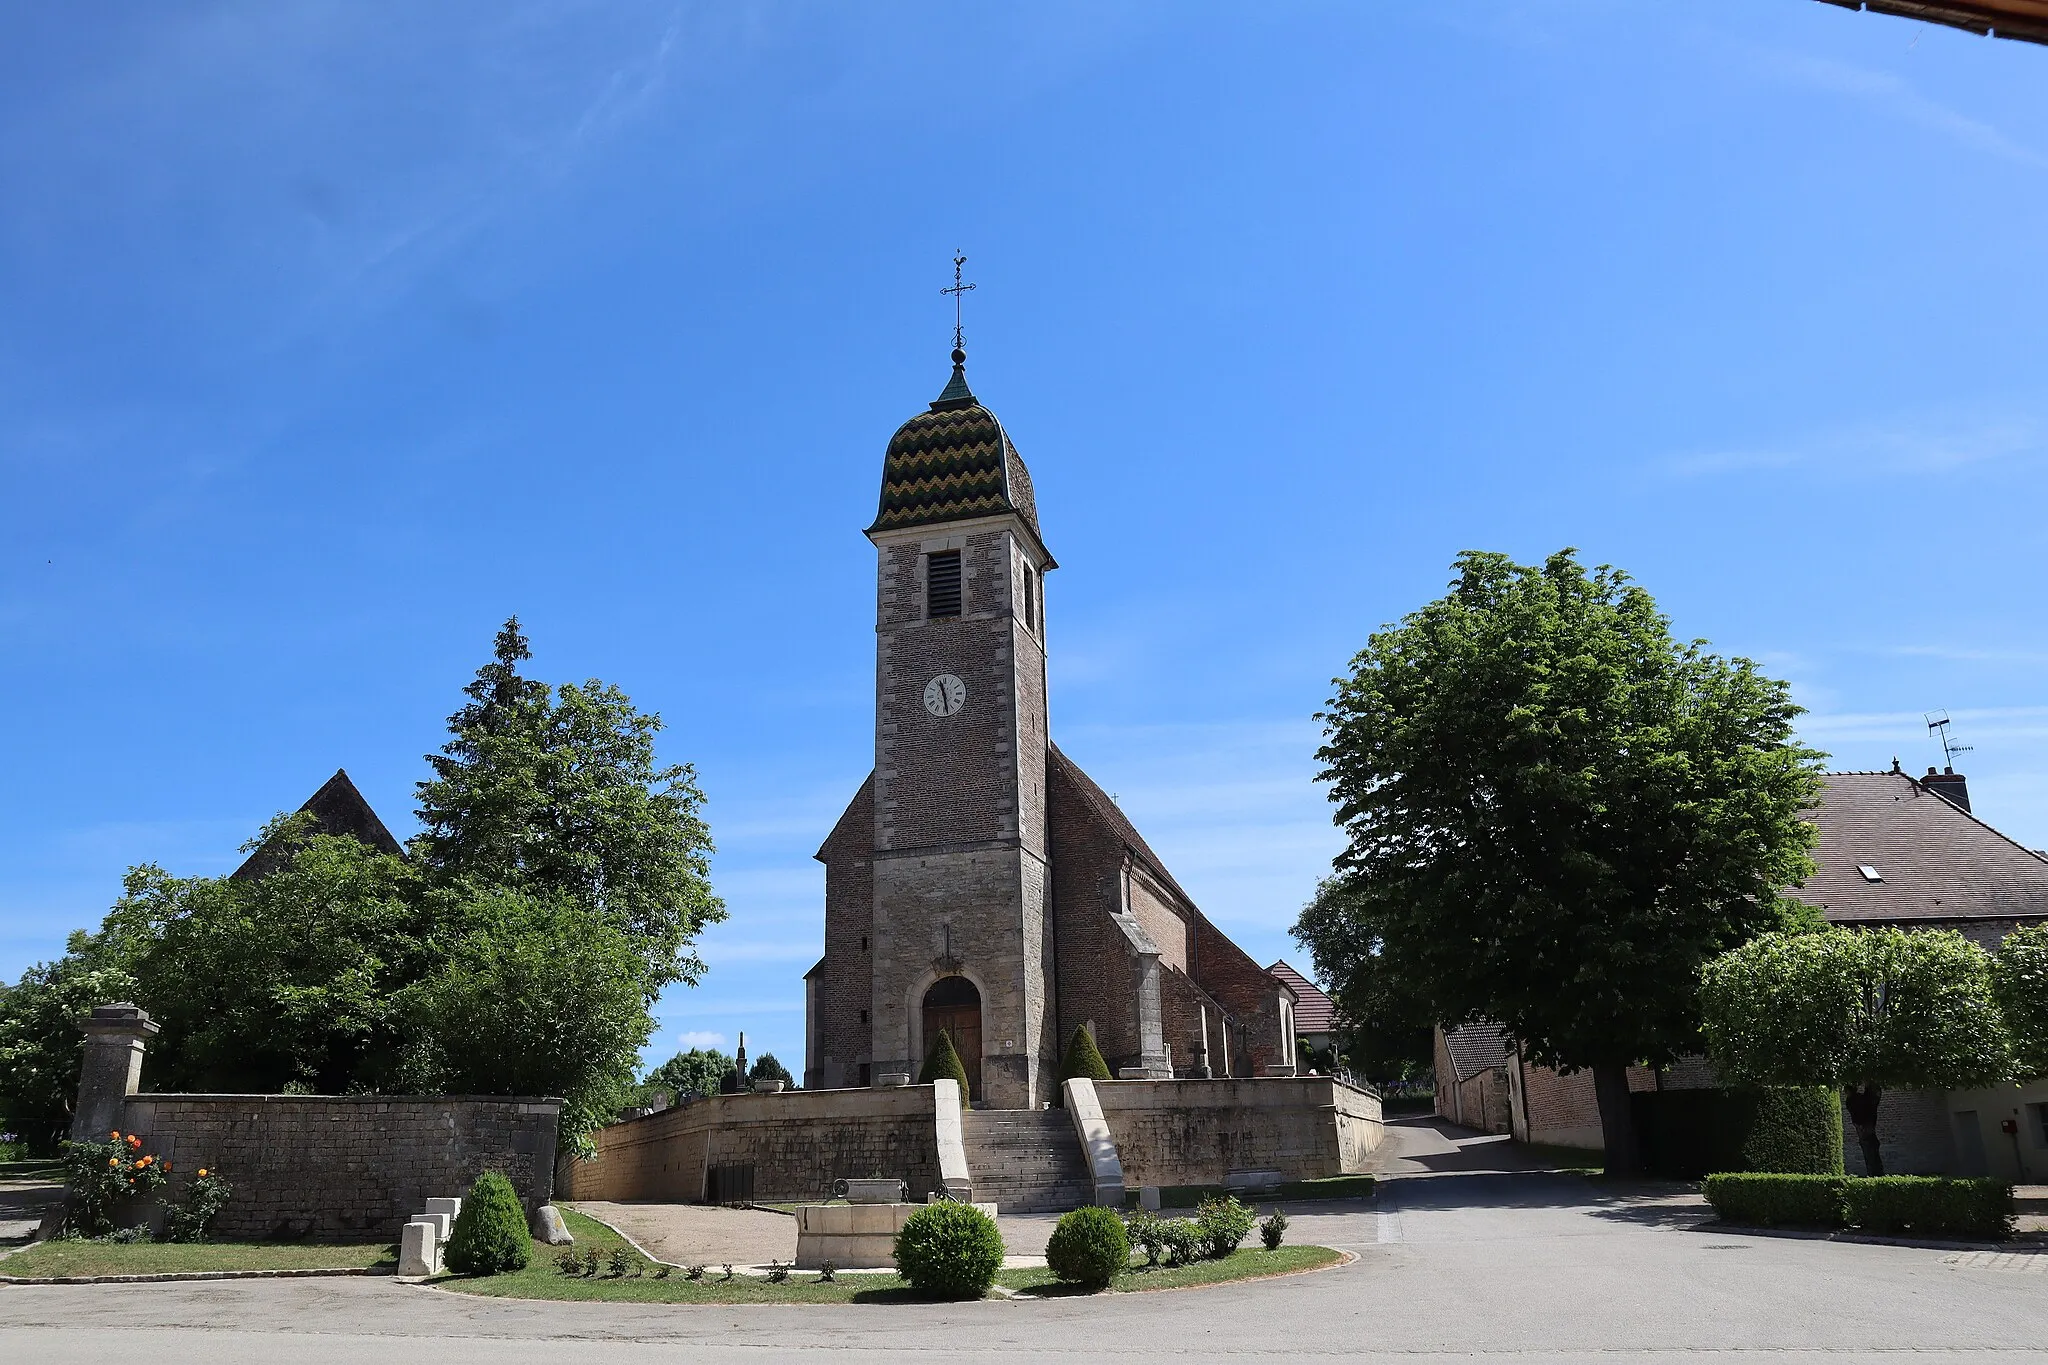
(925, 530)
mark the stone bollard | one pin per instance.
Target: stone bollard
(419, 1248)
(451, 1207)
(116, 1036)
(442, 1224)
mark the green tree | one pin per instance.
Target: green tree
(285, 981)
(535, 995)
(556, 791)
(1083, 1059)
(1556, 813)
(41, 1047)
(700, 1071)
(1386, 1028)
(942, 1062)
(2020, 971)
(767, 1068)
(1860, 1012)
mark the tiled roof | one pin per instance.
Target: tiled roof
(953, 463)
(1314, 1012)
(1937, 861)
(1477, 1047)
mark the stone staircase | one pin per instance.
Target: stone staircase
(1026, 1160)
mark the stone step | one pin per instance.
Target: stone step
(1026, 1160)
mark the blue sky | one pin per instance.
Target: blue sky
(334, 334)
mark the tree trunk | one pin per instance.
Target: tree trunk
(1862, 1101)
(1617, 1120)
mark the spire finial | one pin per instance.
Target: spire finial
(959, 348)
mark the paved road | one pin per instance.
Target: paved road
(1455, 1262)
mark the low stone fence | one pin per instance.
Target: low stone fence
(345, 1167)
(1196, 1132)
(798, 1143)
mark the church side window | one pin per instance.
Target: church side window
(1030, 599)
(942, 584)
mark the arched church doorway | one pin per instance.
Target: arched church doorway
(953, 1004)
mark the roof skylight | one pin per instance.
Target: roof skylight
(1870, 874)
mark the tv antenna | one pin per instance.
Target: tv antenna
(1938, 726)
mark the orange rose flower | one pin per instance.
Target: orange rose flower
(145, 1161)
(113, 1161)
(117, 1135)
(202, 1170)
(134, 1141)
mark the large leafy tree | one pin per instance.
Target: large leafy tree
(1556, 813)
(1385, 1026)
(700, 1071)
(557, 792)
(1861, 1012)
(284, 981)
(2020, 974)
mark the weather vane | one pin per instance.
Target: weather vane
(956, 291)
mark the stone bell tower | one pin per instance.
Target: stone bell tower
(962, 932)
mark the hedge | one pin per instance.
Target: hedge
(1687, 1134)
(1925, 1206)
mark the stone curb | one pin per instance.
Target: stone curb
(172, 1276)
(1715, 1225)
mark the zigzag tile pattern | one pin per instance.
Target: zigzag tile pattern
(950, 465)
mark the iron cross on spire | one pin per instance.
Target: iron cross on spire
(956, 291)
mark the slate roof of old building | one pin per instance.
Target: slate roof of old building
(1477, 1047)
(1937, 861)
(1314, 1012)
(953, 463)
(337, 808)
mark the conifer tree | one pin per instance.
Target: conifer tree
(1083, 1058)
(943, 1062)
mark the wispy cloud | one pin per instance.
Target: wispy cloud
(1902, 99)
(1895, 449)
(699, 1038)
(2006, 722)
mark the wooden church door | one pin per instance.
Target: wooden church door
(954, 1005)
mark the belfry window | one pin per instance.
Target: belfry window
(1030, 599)
(942, 584)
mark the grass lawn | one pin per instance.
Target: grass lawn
(541, 1279)
(158, 1258)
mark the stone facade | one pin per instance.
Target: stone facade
(1196, 1132)
(346, 1167)
(976, 850)
(798, 1143)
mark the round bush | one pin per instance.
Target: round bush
(950, 1250)
(1222, 1222)
(1089, 1247)
(490, 1232)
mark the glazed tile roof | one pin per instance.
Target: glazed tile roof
(1937, 861)
(1314, 1012)
(953, 463)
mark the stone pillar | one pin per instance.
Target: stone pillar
(115, 1038)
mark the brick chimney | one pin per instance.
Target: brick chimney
(1949, 783)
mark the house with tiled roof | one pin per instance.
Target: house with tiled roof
(1314, 1013)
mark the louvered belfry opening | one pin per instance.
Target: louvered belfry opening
(942, 583)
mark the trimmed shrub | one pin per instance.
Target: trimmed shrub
(1931, 1206)
(1223, 1224)
(1273, 1230)
(1923, 1205)
(1795, 1132)
(1180, 1239)
(1771, 1201)
(1083, 1058)
(942, 1063)
(1089, 1247)
(949, 1250)
(490, 1232)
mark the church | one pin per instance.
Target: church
(980, 882)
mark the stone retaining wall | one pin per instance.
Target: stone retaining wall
(1195, 1132)
(798, 1142)
(345, 1167)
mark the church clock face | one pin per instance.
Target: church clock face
(945, 695)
